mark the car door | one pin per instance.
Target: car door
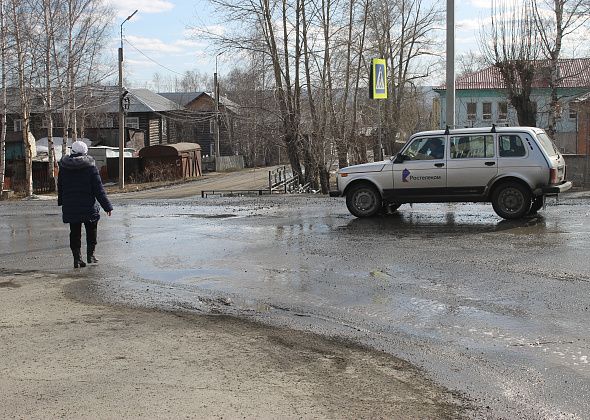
(422, 174)
(472, 163)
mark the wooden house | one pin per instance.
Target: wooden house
(198, 123)
(147, 119)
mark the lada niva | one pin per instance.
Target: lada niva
(514, 168)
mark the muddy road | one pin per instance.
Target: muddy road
(497, 310)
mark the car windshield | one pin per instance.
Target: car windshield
(547, 144)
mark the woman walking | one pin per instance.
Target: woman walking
(78, 188)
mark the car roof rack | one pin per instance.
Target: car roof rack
(447, 131)
(493, 128)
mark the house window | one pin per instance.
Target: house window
(502, 111)
(573, 114)
(18, 125)
(487, 111)
(211, 126)
(471, 110)
(132, 122)
(44, 123)
(164, 126)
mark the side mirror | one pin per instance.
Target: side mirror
(399, 158)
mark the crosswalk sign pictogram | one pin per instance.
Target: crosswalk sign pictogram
(378, 78)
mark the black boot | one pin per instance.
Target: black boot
(90, 254)
(78, 259)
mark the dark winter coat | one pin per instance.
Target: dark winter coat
(78, 188)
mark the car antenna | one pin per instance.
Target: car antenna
(447, 132)
(493, 128)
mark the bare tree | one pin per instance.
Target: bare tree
(470, 62)
(51, 28)
(258, 127)
(401, 32)
(3, 37)
(556, 20)
(512, 46)
(55, 45)
(316, 50)
(271, 27)
(21, 19)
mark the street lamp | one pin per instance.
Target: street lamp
(216, 96)
(121, 112)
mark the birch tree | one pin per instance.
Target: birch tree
(402, 33)
(318, 54)
(3, 69)
(512, 45)
(265, 26)
(56, 45)
(21, 19)
(555, 20)
(51, 27)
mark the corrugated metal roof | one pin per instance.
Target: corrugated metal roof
(574, 73)
(144, 100)
(185, 98)
(181, 98)
(140, 100)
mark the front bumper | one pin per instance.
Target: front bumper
(335, 193)
(557, 189)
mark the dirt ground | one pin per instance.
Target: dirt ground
(63, 357)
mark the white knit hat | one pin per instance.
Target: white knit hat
(79, 147)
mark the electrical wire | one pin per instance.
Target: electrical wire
(151, 59)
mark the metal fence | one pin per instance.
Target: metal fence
(280, 181)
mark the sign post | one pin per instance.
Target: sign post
(378, 90)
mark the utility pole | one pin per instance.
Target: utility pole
(121, 112)
(450, 105)
(217, 128)
(216, 121)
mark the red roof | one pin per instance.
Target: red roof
(574, 73)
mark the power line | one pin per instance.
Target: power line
(151, 59)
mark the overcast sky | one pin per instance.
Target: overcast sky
(159, 39)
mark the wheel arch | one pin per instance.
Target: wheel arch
(361, 181)
(505, 180)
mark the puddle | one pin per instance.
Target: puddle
(186, 275)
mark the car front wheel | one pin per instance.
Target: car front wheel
(363, 201)
(511, 200)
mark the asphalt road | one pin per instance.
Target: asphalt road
(246, 179)
(496, 310)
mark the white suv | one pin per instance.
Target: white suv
(513, 167)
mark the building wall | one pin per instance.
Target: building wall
(583, 138)
(204, 135)
(578, 170)
(566, 126)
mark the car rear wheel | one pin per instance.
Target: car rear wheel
(511, 200)
(536, 205)
(363, 201)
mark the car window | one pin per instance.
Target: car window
(511, 146)
(478, 146)
(426, 148)
(547, 144)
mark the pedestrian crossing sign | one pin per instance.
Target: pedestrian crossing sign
(378, 82)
